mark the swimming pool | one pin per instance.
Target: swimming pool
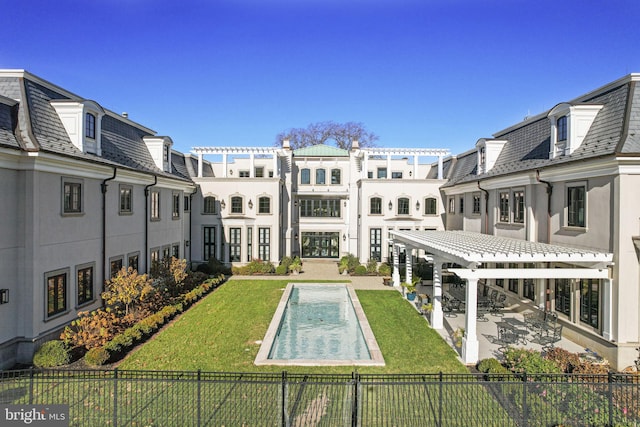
(319, 324)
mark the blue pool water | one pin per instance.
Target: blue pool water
(319, 322)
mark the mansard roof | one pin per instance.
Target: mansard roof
(320, 150)
(616, 129)
(41, 129)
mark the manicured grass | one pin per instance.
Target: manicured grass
(220, 334)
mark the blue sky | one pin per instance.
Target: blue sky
(418, 73)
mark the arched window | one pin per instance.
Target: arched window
(236, 205)
(209, 205)
(403, 206)
(321, 178)
(264, 205)
(430, 206)
(90, 126)
(375, 206)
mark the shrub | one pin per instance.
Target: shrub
(92, 329)
(282, 270)
(257, 266)
(97, 356)
(51, 353)
(494, 368)
(350, 263)
(372, 266)
(520, 360)
(564, 359)
(588, 368)
(384, 269)
(360, 270)
(286, 262)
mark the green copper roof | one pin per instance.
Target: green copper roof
(321, 150)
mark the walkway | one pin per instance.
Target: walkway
(317, 269)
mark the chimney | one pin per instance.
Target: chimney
(285, 144)
(355, 144)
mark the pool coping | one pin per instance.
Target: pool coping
(374, 350)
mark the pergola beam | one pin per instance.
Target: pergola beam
(530, 273)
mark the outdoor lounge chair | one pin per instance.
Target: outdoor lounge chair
(548, 336)
(499, 304)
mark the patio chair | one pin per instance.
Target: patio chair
(550, 335)
(450, 306)
(484, 307)
(534, 321)
(506, 337)
(499, 304)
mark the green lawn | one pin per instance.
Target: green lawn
(220, 334)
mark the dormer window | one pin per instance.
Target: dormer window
(487, 152)
(561, 129)
(569, 126)
(90, 126)
(160, 150)
(82, 120)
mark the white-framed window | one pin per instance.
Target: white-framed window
(561, 129)
(243, 174)
(375, 244)
(235, 247)
(375, 206)
(249, 243)
(84, 283)
(56, 283)
(461, 204)
(576, 204)
(430, 206)
(258, 172)
(264, 205)
(209, 206)
(382, 173)
(186, 203)
(90, 125)
(452, 205)
(126, 199)
(155, 206)
(175, 208)
(72, 196)
(321, 176)
(396, 175)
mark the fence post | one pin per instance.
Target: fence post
(439, 423)
(525, 406)
(115, 397)
(199, 398)
(354, 407)
(610, 378)
(283, 400)
(31, 386)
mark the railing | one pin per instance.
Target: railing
(152, 398)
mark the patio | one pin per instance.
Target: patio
(487, 329)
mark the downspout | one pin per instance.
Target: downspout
(547, 302)
(486, 208)
(191, 221)
(146, 221)
(103, 188)
(549, 192)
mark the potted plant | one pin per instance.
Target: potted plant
(296, 266)
(458, 334)
(409, 290)
(427, 308)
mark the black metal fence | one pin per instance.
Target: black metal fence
(152, 398)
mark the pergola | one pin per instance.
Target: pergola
(472, 251)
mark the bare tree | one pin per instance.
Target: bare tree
(340, 134)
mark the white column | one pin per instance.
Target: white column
(365, 166)
(276, 171)
(415, 167)
(470, 344)
(436, 301)
(224, 165)
(607, 309)
(396, 265)
(199, 165)
(439, 167)
(251, 166)
(388, 166)
(408, 255)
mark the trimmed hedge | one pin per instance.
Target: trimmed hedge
(122, 342)
(50, 354)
